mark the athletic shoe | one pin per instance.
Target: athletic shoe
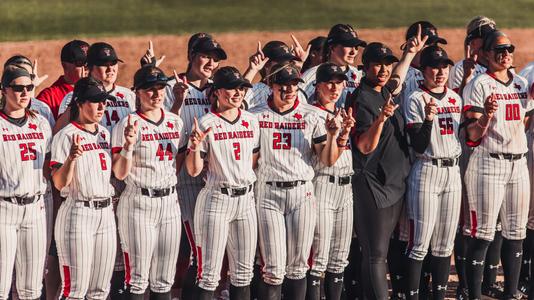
(494, 291)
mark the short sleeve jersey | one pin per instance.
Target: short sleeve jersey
(229, 149)
(506, 132)
(44, 110)
(92, 170)
(352, 73)
(457, 73)
(260, 92)
(287, 141)
(414, 79)
(154, 153)
(343, 165)
(115, 110)
(528, 74)
(23, 150)
(444, 140)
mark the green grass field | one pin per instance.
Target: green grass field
(46, 19)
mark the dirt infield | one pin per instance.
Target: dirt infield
(239, 47)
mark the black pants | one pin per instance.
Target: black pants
(374, 227)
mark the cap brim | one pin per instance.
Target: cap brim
(432, 40)
(354, 42)
(235, 84)
(390, 59)
(298, 79)
(439, 62)
(341, 76)
(219, 53)
(148, 85)
(99, 98)
(284, 57)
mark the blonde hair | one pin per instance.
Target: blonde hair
(478, 22)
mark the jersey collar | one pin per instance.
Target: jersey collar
(321, 107)
(225, 119)
(501, 82)
(77, 125)
(142, 116)
(270, 103)
(13, 121)
(435, 95)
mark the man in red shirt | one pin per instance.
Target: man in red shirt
(74, 63)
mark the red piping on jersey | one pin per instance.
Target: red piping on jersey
(53, 164)
(127, 268)
(410, 125)
(467, 107)
(456, 90)
(140, 114)
(473, 144)
(423, 87)
(270, 103)
(213, 111)
(116, 150)
(310, 258)
(3, 115)
(66, 281)
(473, 223)
(199, 260)
(190, 237)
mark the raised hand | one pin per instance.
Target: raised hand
(258, 60)
(37, 80)
(491, 105)
(333, 125)
(347, 123)
(130, 133)
(388, 109)
(469, 63)
(180, 89)
(197, 135)
(75, 148)
(431, 108)
(298, 51)
(416, 43)
(149, 56)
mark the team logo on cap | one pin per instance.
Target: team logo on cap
(106, 51)
(384, 50)
(439, 53)
(84, 48)
(236, 75)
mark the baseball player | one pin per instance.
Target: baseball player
(498, 107)
(102, 61)
(148, 148)
(341, 48)
(227, 138)
(25, 147)
(292, 136)
(333, 231)
(85, 230)
(315, 56)
(434, 191)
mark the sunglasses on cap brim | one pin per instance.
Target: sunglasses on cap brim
(20, 87)
(506, 47)
(153, 80)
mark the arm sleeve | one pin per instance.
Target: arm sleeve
(64, 103)
(474, 97)
(420, 135)
(182, 143)
(319, 132)
(47, 131)
(117, 136)
(414, 111)
(364, 118)
(60, 149)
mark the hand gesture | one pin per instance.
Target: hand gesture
(258, 60)
(431, 108)
(416, 43)
(180, 89)
(197, 135)
(347, 123)
(491, 105)
(130, 133)
(333, 125)
(469, 63)
(150, 57)
(388, 110)
(298, 51)
(36, 79)
(75, 148)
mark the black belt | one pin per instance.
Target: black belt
(155, 193)
(341, 180)
(445, 162)
(22, 200)
(507, 156)
(234, 192)
(97, 204)
(286, 184)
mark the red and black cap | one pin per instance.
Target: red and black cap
(345, 35)
(284, 74)
(278, 52)
(229, 78)
(378, 53)
(74, 51)
(427, 29)
(329, 71)
(89, 89)
(100, 54)
(149, 76)
(434, 56)
(208, 45)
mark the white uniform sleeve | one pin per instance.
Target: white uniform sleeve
(414, 112)
(455, 76)
(182, 143)
(256, 130)
(65, 103)
(308, 86)
(474, 96)
(47, 131)
(117, 135)
(60, 149)
(319, 132)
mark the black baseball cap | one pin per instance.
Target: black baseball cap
(285, 73)
(434, 56)
(329, 71)
(345, 35)
(480, 32)
(278, 51)
(149, 76)
(100, 54)
(378, 53)
(193, 39)
(12, 73)
(74, 51)
(317, 43)
(91, 90)
(229, 78)
(427, 29)
(208, 45)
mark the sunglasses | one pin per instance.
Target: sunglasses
(19, 87)
(151, 79)
(502, 48)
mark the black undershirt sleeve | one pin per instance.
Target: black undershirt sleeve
(420, 135)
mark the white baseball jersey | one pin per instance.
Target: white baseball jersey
(414, 79)
(444, 140)
(92, 171)
(287, 141)
(343, 165)
(23, 151)
(456, 74)
(528, 74)
(115, 110)
(506, 132)
(153, 162)
(229, 147)
(44, 110)
(195, 97)
(354, 75)
(260, 92)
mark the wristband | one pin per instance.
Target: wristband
(342, 143)
(126, 154)
(193, 150)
